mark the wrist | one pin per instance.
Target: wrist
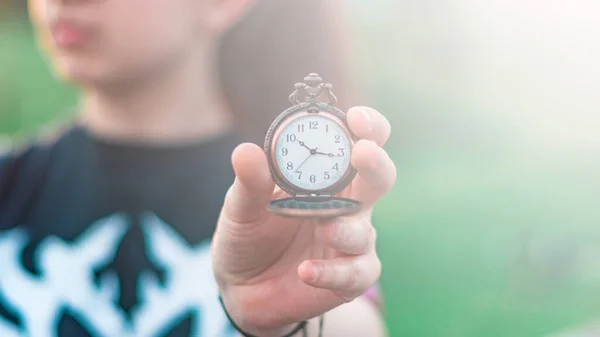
(244, 321)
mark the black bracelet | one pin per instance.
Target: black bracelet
(301, 325)
(321, 320)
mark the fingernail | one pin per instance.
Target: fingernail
(374, 165)
(368, 117)
(373, 160)
(316, 273)
(339, 228)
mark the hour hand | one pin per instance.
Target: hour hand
(302, 144)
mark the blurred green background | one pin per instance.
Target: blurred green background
(493, 228)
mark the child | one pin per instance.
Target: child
(130, 223)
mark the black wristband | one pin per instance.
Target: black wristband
(301, 325)
(321, 320)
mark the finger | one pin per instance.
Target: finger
(348, 276)
(368, 123)
(376, 172)
(350, 235)
(247, 198)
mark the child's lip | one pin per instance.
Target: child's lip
(69, 33)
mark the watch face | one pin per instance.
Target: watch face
(313, 152)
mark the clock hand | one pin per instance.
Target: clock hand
(310, 155)
(327, 154)
(312, 151)
(302, 144)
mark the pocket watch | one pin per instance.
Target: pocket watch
(308, 148)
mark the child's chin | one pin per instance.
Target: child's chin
(77, 76)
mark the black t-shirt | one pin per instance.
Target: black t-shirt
(107, 239)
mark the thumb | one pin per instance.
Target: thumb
(253, 187)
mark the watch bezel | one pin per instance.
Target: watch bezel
(288, 116)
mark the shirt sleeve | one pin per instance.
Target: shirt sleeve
(373, 295)
(7, 168)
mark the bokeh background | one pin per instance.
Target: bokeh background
(493, 228)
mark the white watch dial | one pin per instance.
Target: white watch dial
(313, 152)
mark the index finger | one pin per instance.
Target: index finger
(368, 123)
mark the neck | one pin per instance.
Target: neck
(181, 104)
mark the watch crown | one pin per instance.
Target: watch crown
(311, 90)
(313, 79)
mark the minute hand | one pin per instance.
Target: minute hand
(310, 155)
